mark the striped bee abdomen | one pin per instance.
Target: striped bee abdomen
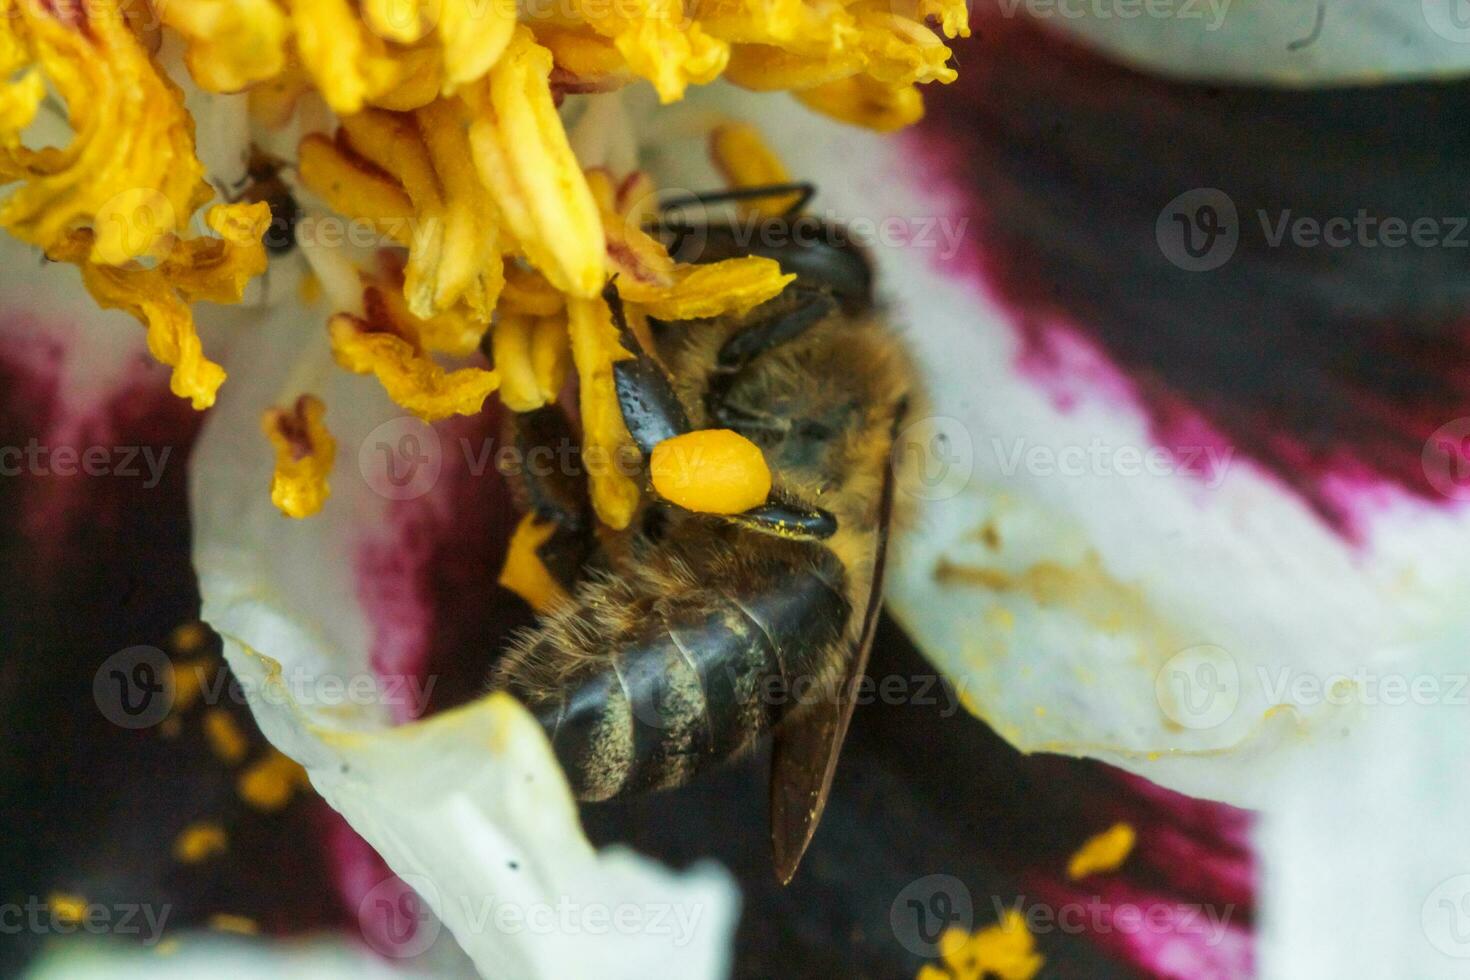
(683, 662)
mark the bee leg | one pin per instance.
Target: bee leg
(788, 519)
(548, 481)
(741, 348)
(651, 410)
(804, 191)
(811, 308)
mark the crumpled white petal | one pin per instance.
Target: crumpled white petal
(470, 806)
(1312, 42)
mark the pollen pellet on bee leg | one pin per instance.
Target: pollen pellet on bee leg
(714, 471)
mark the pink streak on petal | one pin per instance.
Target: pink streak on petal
(1333, 400)
(427, 577)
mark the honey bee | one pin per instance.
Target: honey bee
(263, 183)
(688, 636)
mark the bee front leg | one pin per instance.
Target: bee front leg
(651, 409)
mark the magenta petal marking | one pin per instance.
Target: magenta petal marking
(1329, 367)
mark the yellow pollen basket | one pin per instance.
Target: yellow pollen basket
(714, 471)
(438, 126)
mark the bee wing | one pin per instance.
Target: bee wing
(805, 749)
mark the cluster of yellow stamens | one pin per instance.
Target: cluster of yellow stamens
(449, 144)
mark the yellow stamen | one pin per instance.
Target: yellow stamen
(744, 159)
(232, 43)
(525, 160)
(732, 286)
(238, 924)
(199, 842)
(605, 438)
(189, 637)
(133, 147)
(354, 187)
(511, 346)
(305, 451)
(407, 374)
(551, 355)
(269, 784)
(864, 102)
(524, 573)
(67, 907)
(1005, 950)
(212, 269)
(1103, 852)
(188, 681)
(224, 736)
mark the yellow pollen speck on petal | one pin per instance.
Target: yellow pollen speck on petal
(1005, 950)
(269, 784)
(238, 924)
(67, 907)
(224, 736)
(712, 471)
(1104, 852)
(305, 452)
(524, 573)
(199, 842)
(167, 948)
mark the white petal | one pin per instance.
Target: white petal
(470, 806)
(1312, 42)
(1193, 631)
(1110, 601)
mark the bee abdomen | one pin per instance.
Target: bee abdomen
(693, 682)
